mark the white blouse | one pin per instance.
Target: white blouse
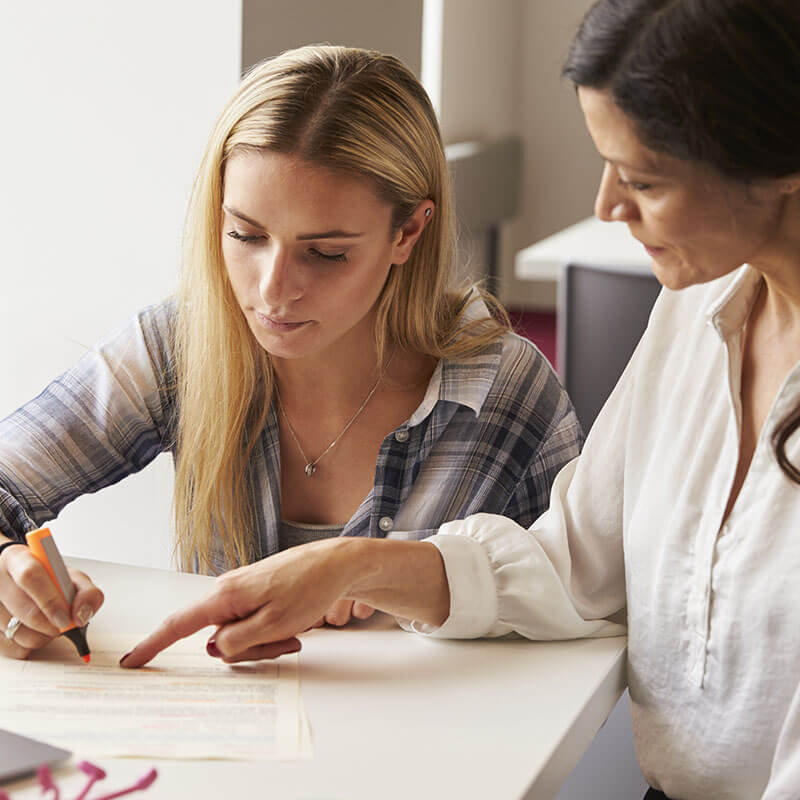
(635, 526)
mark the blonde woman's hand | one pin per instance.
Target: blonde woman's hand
(27, 593)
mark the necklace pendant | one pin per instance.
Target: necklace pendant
(310, 469)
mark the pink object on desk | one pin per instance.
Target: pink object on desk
(46, 781)
(139, 786)
(95, 773)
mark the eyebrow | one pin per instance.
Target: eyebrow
(651, 168)
(334, 234)
(303, 237)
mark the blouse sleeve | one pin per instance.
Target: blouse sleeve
(105, 418)
(562, 578)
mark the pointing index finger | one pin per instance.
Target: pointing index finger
(177, 626)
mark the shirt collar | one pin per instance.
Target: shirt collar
(728, 312)
(466, 381)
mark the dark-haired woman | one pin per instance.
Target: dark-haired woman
(683, 512)
(684, 507)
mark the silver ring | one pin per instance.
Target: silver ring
(12, 627)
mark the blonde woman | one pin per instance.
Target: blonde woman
(319, 377)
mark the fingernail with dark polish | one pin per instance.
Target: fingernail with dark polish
(122, 660)
(212, 649)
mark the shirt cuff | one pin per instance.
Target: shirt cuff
(473, 595)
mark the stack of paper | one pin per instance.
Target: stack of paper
(183, 704)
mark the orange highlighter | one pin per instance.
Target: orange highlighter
(43, 549)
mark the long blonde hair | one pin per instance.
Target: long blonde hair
(364, 114)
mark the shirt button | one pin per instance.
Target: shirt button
(385, 524)
(401, 435)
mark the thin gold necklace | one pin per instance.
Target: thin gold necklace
(311, 465)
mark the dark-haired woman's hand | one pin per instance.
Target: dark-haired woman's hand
(344, 610)
(260, 609)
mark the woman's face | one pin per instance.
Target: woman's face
(694, 224)
(307, 251)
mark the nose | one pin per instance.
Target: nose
(613, 203)
(278, 281)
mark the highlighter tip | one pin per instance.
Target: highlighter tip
(87, 658)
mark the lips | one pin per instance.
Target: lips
(279, 324)
(653, 251)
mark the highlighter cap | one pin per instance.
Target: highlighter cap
(78, 637)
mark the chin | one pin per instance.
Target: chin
(277, 349)
(675, 276)
(280, 350)
(672, 281)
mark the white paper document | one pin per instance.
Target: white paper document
(183, 704)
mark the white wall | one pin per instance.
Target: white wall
(106, 108)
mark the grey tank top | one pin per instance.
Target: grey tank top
(294, 533)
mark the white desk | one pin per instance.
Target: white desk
(591, 242)
(392, 714)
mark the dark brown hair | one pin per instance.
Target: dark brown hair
(714, 81)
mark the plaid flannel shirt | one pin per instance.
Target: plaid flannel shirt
(490, 435)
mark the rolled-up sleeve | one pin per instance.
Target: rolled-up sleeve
(105, 418)
(503, 579)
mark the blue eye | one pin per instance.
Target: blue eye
(239, 237)
(328, 257)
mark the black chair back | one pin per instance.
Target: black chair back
(602, 314)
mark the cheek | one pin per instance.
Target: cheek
(377, 280)
(668, 217)
(367, 277)
(236, 270)
(236, 258)
(684, 225)
(228, 255)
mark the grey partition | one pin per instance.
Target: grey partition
(602, 313)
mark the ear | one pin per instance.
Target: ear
(407, 236)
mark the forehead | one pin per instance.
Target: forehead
(614, 133)
(267, 186)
